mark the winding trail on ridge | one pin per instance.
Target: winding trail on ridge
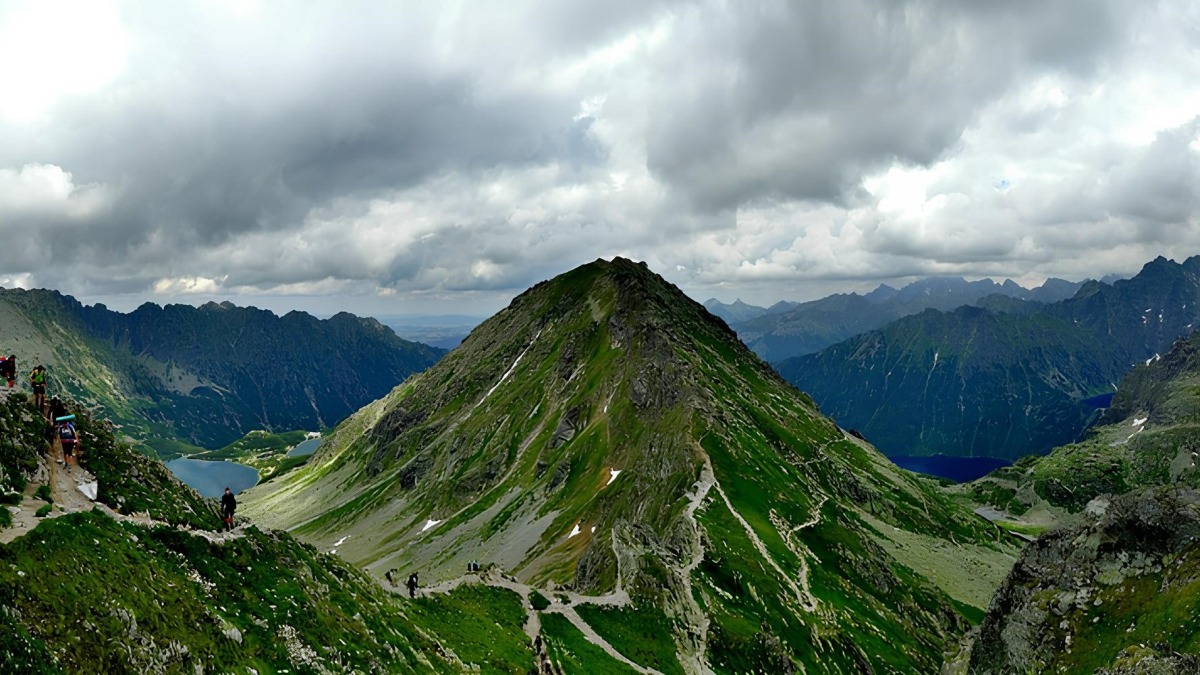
(703, 485)
(806, 599)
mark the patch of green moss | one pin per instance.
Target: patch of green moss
(568, 648)
(639, 633)
(481, 624)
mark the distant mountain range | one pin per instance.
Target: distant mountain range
(604, 435)
(206, 375)
(788, 329)
(1005, 381)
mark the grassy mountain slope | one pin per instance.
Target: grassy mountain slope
(206, 375)
(149, 586)
(605, 434)
(85, 593)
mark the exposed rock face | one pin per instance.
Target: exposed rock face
(1117, 593)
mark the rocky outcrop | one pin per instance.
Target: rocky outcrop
(1117, 594)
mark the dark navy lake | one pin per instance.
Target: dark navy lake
(957, 469)
(306, 448)
(211, 478)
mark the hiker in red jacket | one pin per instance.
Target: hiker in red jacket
(8, 370)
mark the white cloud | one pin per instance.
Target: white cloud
(46, 189)
(186, 286)
(764, 149)
(56, 48)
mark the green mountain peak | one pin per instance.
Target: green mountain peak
(605, 434)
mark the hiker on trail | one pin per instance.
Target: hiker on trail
(228, 506)
(57, 409)
(412, 584)
(69, 440)
(8, 370)
(37, 380)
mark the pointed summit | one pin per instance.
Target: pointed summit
(605, 434)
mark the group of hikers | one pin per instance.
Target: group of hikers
(63, 429)
(411, 583)
(60, 424)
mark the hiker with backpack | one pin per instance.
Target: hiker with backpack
(69, 440)
(57, 409)
(228, 506)
(37, 380)
(412, 584)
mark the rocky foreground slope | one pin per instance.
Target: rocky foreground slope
(1116, 594)
(606, 435)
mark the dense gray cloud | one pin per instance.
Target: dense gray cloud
(429, 153)
(807, 97)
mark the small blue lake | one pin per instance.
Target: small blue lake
(211, 478)
(957, 469)
(306, 448)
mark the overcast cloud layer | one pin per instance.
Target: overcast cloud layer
(395, 157)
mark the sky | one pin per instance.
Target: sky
(441, 157)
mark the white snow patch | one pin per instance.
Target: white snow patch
(935, 358)
(1152, 359)
(612, 475)
(1147, 310)
(1133, 434)
(89, 490)
(593, 529)
(429, 524)
(341, 541)
(511, 368)
(574, 531)
(1140, 421)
